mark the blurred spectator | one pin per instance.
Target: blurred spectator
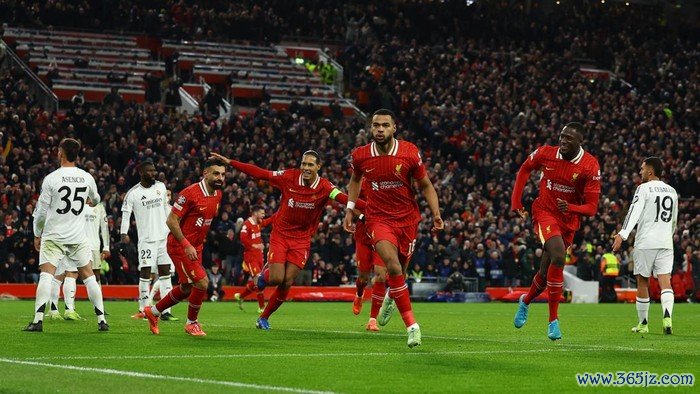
(215, 291)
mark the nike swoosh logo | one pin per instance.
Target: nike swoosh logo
(549, 168)
(202, 208)
(369, 170)
(292, 190)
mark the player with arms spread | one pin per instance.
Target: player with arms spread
(569, 188)
(305, 195)
(189, 221)
(654, 211)
(389, 167)
(59, 228)
(253, 259)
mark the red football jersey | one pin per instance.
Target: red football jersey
(301, 206)
(563, 179)
(251, 235)
(389, 181)
(196, 209)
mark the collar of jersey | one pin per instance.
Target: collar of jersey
(204, 189)
(392, 152)
(313, 185)
(576, 159)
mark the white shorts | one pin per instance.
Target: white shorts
(77, 255)
(652, 261)
(64, 265)
(152, 254)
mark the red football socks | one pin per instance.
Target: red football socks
(196, 298)
(378, 291)
(399, 292)
(175, 296)
(538, 285)
(250, 288)
(277, 299)
(360, 285)
(261, 299)
(555, 285)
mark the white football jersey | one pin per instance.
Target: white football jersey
(96, 227)
(59, 215)
(151, 209)
(654, 211)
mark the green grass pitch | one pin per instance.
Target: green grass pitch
(323, 347)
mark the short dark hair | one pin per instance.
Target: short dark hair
(576, 126)
(145, 163)
(214, 162)
(655, 163)
(256, 208)
(384, 111)
(70, 148)
(313, 153)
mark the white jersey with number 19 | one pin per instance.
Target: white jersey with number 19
(59, 215)
(654, 211)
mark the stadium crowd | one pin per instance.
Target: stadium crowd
(476, 105)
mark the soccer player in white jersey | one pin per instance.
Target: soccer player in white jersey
(654, 211)
(95, 230)
(148, 201)
(59, 229)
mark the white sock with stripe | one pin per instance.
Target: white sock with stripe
(667, 298)
(643, 310)
(144, 285)
(69, 288)
(95, 295)
(43, 293)
(55, 291)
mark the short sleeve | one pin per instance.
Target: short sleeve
(593, 181)
(183, 204)
(355, 165)
(418, 171)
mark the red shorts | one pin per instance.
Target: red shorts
(188, 271)
(547, 226)
(404, 238)
(364, 252)
(284, 249)
(253, 262)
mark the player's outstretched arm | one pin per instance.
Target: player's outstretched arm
(173, 223)
(337, 195)
(428, 190)
(248, 169)
(353, 194)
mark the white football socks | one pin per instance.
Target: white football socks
(95, 295)
(43, 294)
(144, 285)
(643, 310)
(667, 302)
(55, 291)
(69, 288)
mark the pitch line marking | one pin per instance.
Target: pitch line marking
(134, 374)
(265, 355)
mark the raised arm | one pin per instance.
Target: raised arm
(248, 169)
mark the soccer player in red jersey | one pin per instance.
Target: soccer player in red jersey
(253, 258)
(367, 259)
(189, 222)
(569, 188)
(305, 195)
(389, 167)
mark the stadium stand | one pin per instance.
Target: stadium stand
(475, 104)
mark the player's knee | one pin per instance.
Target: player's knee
(202, 284)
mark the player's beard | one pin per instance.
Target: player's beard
(216, 185)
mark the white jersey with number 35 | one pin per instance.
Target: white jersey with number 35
(654, 211)
(59, 215)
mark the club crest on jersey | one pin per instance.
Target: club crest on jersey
(158, 192)
(398, 169)
(574, 177)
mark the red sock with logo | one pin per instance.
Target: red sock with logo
(196, 298)
(378, 292)
(536, 288)
(399, 292)
(555, 285)
(277, 299)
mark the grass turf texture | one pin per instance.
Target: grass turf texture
(324, 347)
